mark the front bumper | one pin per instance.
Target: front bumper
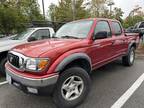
(25, 83)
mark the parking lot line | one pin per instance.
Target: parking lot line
(4, 82)
(123, 99)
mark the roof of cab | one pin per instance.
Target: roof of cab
(37, 28)
(96, 19)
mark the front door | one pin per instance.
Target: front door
(102, 48)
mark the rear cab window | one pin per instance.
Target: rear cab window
(141, 25)
(136, 25)
(116, 28)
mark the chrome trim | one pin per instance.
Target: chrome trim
(43, 82)
(25, 61)
(20, 56)
(15, 67)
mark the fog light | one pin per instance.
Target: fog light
(32, 90)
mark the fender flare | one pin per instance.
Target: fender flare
(71, 58)
(130, 45)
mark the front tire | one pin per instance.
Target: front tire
(72, 88)
(2, 66)
(130, 58)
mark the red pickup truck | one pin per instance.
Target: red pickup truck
(62, 65)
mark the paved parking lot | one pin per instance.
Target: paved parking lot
(109, 83)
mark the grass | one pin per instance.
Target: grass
(2, 78)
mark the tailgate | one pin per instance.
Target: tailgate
(132, 34)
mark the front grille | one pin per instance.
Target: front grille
(13, 60)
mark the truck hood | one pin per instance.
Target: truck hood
(53, 46)
(7, 44)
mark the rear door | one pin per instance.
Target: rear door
(120, 40)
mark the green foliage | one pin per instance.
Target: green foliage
(95, 8)
(98, 8)
(10, 20)
(131, 21)
(30, 9)
(52, 12)
(15, 13)
(63, 12)
(118, 14)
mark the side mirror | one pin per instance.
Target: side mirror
(32, 39)
(101, 35)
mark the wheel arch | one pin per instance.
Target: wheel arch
(132, 44)
(76, 59)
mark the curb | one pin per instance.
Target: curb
(3, 83)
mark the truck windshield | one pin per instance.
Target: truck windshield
(22, 35)
(76, 30)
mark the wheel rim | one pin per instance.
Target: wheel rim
(72, 88)
(132, 55)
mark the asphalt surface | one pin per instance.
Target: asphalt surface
(109, 83)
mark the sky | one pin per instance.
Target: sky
(128, 5)
(125, 5)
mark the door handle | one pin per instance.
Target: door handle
(98, 45)
(113, 42)
(124, 41)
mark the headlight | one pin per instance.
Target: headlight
(36, 64)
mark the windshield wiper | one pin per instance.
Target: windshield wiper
(69, 37)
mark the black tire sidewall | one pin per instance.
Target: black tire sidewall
(59, 100)
(129, 55)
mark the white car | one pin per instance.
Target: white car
(31, 34)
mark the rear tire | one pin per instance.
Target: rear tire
(129, 59)
(65, 94)
(2, 66)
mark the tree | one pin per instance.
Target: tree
(135, 16)
(118, 14)
(98, 8)
(52, 12)
(131, 21)
(14, 13)
(9, 19)
(64, 13)
(30, 9)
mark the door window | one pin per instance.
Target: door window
(117, 28)
(41, 34)
(141, 25)
(103, 26)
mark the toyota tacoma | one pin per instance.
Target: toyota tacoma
(62, 65)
